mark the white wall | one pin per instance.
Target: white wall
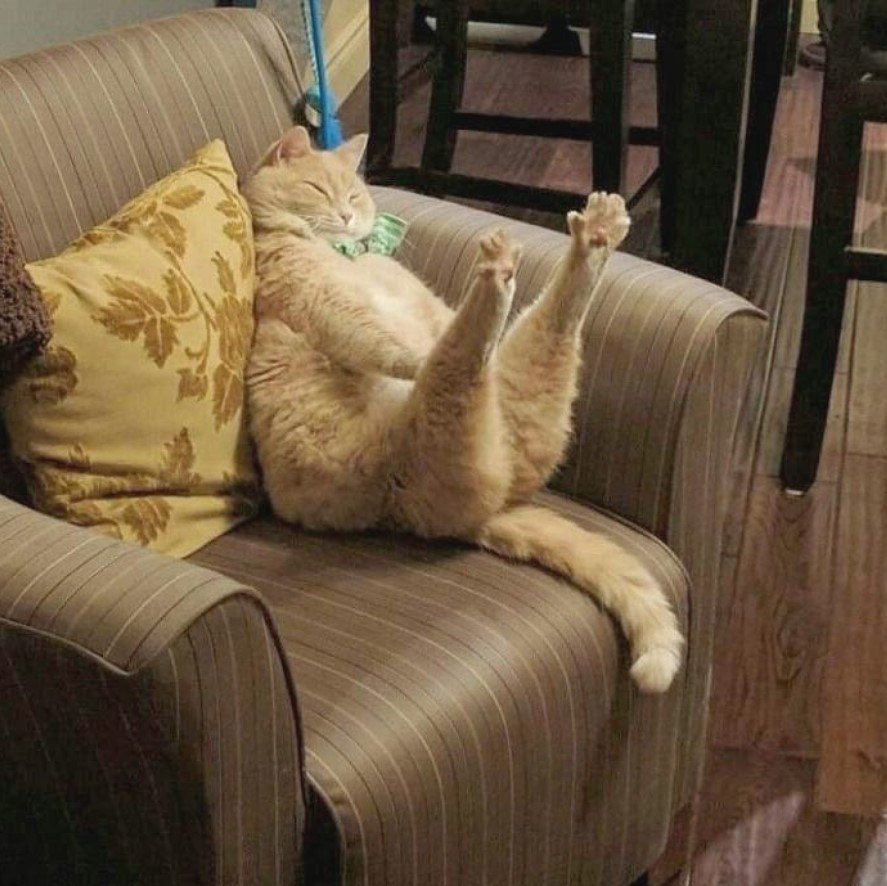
(29, 24)
(346, 38)
(347, 31)
(808, 18)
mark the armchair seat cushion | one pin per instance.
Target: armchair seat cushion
(460, 711)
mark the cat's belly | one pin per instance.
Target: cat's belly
(407, 325)
(322, 440)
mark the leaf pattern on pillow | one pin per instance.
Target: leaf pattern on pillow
(145, 518)
(52, 300)
(51, 376)
(178, 293)
(151, 211)
(227, 394)
(177, 462)
(136, 311)
(235, 229)
(184, 197)
(167, 228)
(192, 384)
(234, 321)
(132, 506)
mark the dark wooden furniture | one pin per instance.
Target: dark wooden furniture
(774, 43)
(608, 127)
(704, 74)
(855, 91)
(704, 68)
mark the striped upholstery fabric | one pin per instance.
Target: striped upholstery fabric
(87, 126)
(466, 718)
(149, 730)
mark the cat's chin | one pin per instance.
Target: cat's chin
(341, 234)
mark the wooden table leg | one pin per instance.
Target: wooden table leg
(771, 38)
(448, 85)
(705, 69)
(384, 17)
(610, 67)
(834, 206)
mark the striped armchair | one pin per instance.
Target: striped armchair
(288, 707)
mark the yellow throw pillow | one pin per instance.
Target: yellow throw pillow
(132, 421)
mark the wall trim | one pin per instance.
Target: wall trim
(348, 55)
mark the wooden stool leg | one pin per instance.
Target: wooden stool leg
(794, 34)
(834, 206)
(383, 86)
(610, 68)
(771, 36)
(449, 81)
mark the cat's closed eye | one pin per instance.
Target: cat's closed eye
(319, 190)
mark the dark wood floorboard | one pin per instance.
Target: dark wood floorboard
(797, 772)
(762, 827)
(774, 624)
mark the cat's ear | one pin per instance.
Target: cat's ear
(351, 153)
(295, 143)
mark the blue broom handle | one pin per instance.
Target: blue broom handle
(330, 130)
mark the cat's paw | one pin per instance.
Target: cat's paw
(603, 223)
(500, 255)
(500, 250)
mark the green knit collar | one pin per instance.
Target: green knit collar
(387, 234)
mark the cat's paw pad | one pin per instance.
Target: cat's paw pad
(501, 252)
(603, 223)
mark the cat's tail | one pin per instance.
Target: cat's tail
(607, 572)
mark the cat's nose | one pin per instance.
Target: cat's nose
(347, 216)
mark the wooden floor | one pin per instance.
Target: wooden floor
(796, 786)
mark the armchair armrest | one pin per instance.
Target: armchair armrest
(150, 731)
(667, 358)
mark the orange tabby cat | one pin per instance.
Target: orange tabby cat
(374, 404)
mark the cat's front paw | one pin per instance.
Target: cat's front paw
(603, 223)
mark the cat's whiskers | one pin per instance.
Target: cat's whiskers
(326, 225)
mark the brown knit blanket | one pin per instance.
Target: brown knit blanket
(24, 322)
(24, 331)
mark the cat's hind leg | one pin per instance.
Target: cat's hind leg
(450, 459)
(538, 361)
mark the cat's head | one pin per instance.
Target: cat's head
(300, 189)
